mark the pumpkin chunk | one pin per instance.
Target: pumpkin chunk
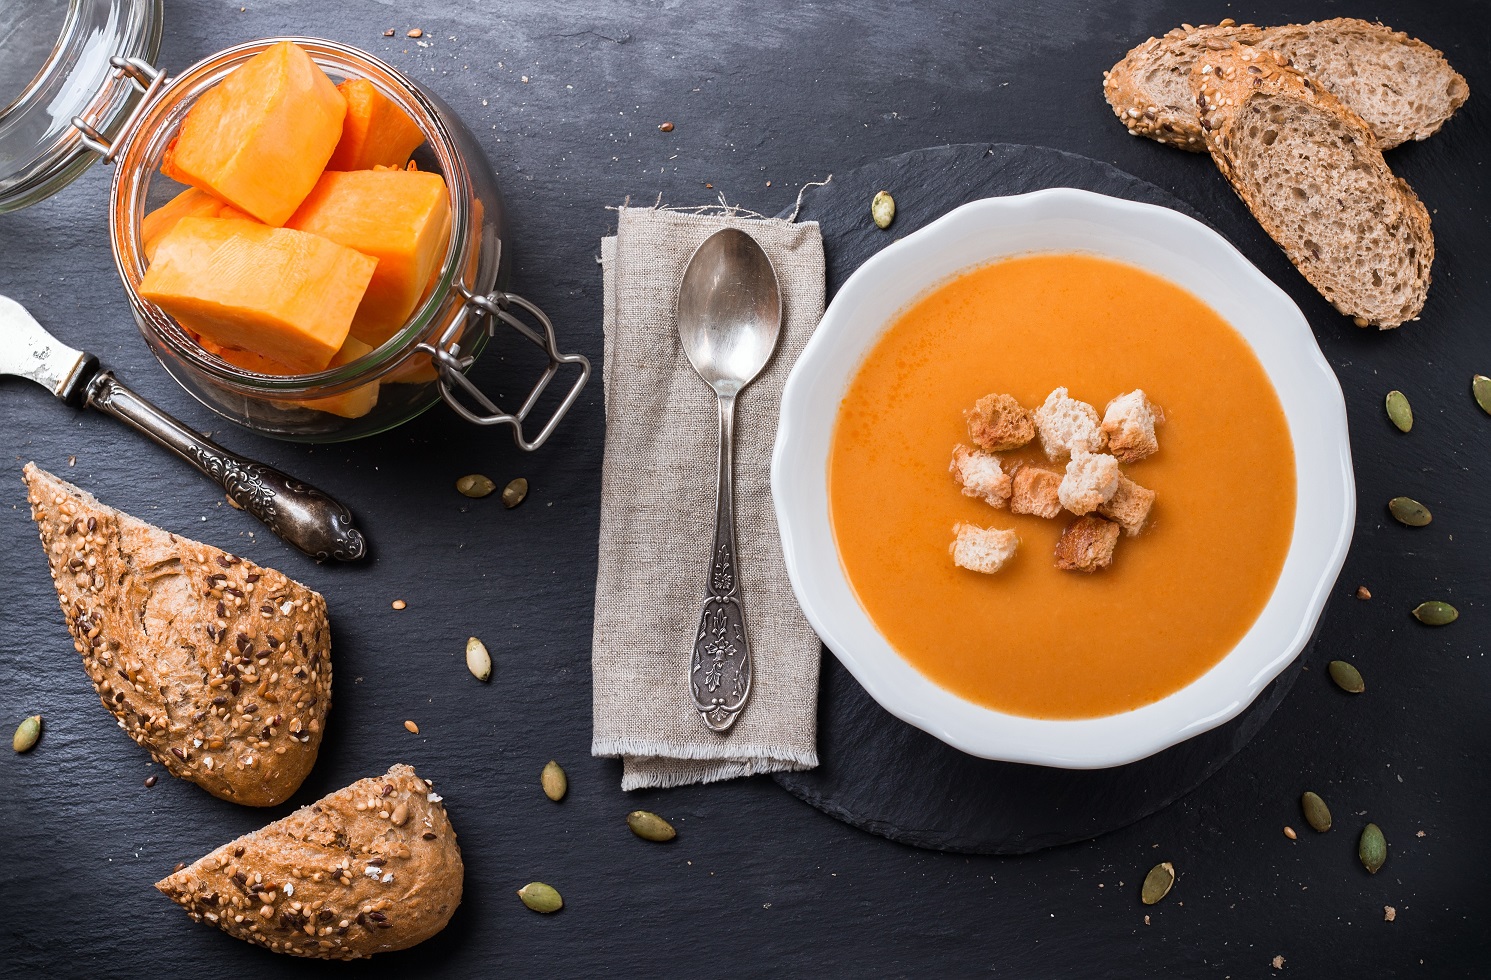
(190, 203)
(375, 132)
(352, 404)
(401, 218)
(259, 138)
(283, 294)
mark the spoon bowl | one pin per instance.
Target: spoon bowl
(729, 310)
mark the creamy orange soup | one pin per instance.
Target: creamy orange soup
(1031, 640)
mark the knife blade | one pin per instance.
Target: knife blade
(298, 512)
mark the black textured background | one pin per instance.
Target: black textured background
(757, 882)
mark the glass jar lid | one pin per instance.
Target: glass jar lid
(83, 59)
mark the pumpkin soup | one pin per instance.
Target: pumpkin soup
(1034, 640)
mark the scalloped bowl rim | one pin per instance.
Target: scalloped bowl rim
(1175, 247)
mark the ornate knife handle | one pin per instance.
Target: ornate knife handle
(720, 668)
(298, 512)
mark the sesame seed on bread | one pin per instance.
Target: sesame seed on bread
(218, 667)
(370, 868)
(1313, 175)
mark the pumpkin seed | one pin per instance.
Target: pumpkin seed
(1347, 677)
(26, 734)
(1435, 613)
(475, 485)
(514, 492)
(1372, 848)
(478, 660)
(1317, 814)
(1399, 411)
(883, 209)
(554, 781)
(1408, 511)
(1480, 386)
(541, 897)
(650, 826)
(1157, 883)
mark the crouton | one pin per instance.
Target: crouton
(1128, 425)
(982, 549)
(1086, 545)
(1091, 480)
(1066, 424)
(981, 476)
(1034, 491)
(1129, 505)
(998, 423)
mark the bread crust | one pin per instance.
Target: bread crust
(370, 868)
(1225, 82)
(218, 667)
(1177, 123)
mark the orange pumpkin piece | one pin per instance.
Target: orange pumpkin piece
(376, 131)
(401, 218)
(259, 139)
(247, 360)
(279, 293)
(352, 404)
(190, 203)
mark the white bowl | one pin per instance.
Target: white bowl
(1170, 245)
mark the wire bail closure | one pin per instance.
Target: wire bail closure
(452, 365)
(147, 80)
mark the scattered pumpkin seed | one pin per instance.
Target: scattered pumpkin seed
(1399, 411)
(1480, 386)
(1317, 814)
(650, 826)
(1372, 848)
(1289, 832)
(1362, 592)
(26, 734)
(1157, 883)
(1347, 677)
(554, 781)
(411, 728)
(541, 897)
(514, 492)
(883, 209)
(475, 485)
(1408, 511)
(478, 660)
(1435, 613)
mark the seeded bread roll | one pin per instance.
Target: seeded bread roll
(371, 868)
(1403, 88)
(1313, 175)
(220, 668)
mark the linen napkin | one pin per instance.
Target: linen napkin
(657, 516)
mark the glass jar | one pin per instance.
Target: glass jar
(133, 115)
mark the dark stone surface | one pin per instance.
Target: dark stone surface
(757, 883)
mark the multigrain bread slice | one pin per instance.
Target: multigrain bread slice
(1313, 175)
(371, 868)
(1150, 89)
(220, 668)
(1403, 88)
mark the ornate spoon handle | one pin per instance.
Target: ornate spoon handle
(302, 515)
(720, 669)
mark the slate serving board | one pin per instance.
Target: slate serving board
(893, 779)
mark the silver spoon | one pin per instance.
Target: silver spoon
(729, 318)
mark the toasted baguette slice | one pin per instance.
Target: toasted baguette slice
(1403, 88)
(1313, 175)
(220, 668)
(370, 868)
(1150, 89)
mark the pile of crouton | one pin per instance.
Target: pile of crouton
(1093, 487)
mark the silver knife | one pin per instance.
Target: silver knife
(298, 512)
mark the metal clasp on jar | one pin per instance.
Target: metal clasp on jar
(147, 80)
(452, 365)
